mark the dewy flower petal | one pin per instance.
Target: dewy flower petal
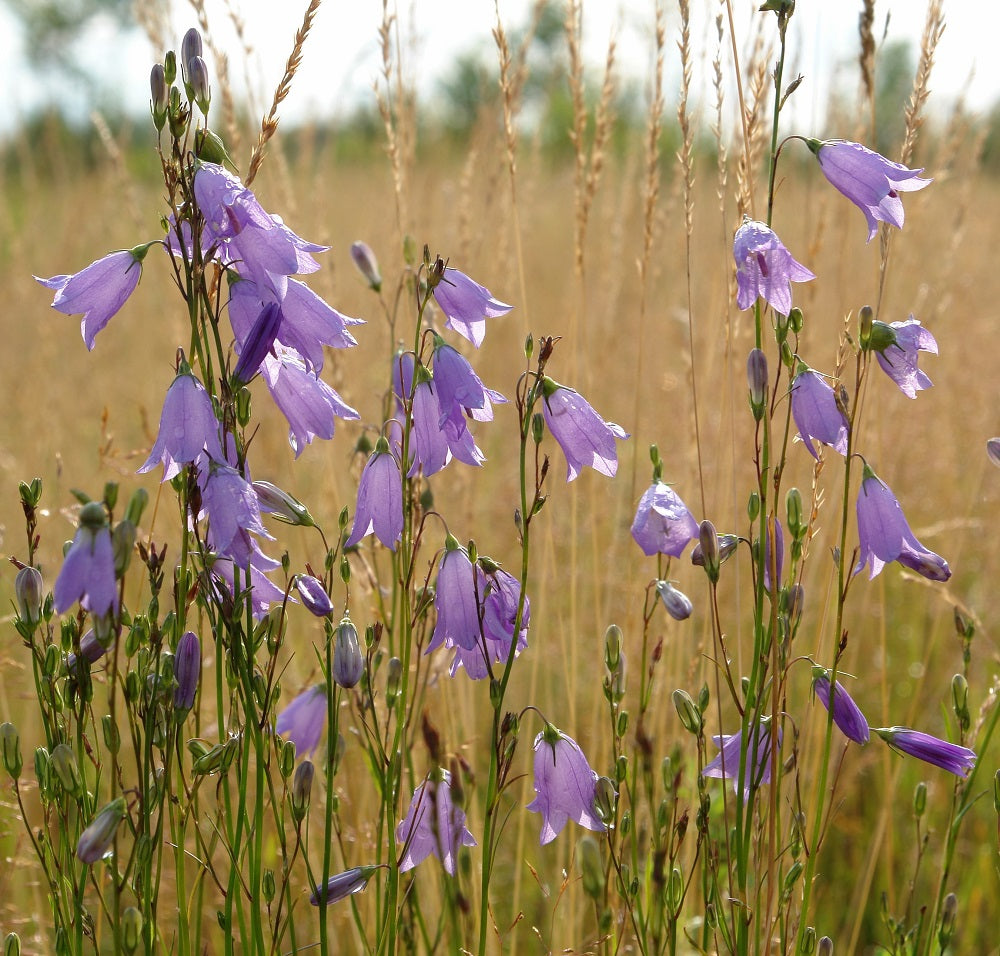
(302, 721)
(899, 359)
(869, 180)
(846, 714)
(565, 785)
(954, 758)
(585, 437)
(884, 534)
(663, 524)
(816, 414)
(380, 499)
(467, 305)
(765, 268)
(98, 291)
(433, 825)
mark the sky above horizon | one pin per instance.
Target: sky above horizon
(342, 57)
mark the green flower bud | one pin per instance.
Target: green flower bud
(687, 711)
(29, 591)
(65, 765)
(709, 542)
(281, 505)
(96, 840)
(12, 945)
(591, 867)
(949, 914)
(960, 699)
(302, 789)
(612, 647)
(131, 929)
(269, 886)
(122, 544)
(605, 796)
(11, 743)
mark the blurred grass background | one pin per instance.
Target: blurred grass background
(79, 420)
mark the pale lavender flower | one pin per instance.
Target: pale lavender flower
(433, 439)
(815, 411)
(565, 785)
(884, 534)
(310, 405)
(233, 512)
(313, 595)
(187, 670)
(98, 291)
(951, 757)
(846, 714)
(88, 571)
(433, 824)
(765, 268)
(502, 592)
(302, 721)
(585, 438)
(380, 499)
(342, 885)
(188, 427)
(869, 180)
(263, 591)
(663, 524)
(459, 389)
(455, 600)
(899, 357)
(467, 305)
(757, 767)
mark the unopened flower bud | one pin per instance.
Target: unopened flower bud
(131, 929)
(28, 589)
(12, 945)
(605, 796)
(824, 947)
(159, 96)
(342, 885)
(394, 674)
(993, 450)
(187, 670)
(64, 763)
(198, 78)
(708, 540)
(190, 48)
(612, 647)
(960, 699)
(793, 508)
(96, 840)
(302, 789)
(757, 382)
(537, 427)
(687, 711)
(313, 595)
(919, 799)
(93, 516)
(122, 544)
(364, 259)
(282, 505)
(348, 661)
(10, 741)
(591, 867)
(678, 604)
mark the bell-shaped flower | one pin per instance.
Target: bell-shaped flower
(433, 825)
(884, 534)
(98, 291)
(310, 405)
(954, 758)
(757, 759)
(765, 268)
(460, 391)
(456, 600)
(872, 182)
(897, 347)
(499, 594)
(565, 785)
(233, 511)
(846, 714)
(253, 576)
(585, 437)
(662, 523)
(188, 427)
(88, 571)
(380, 499)
(467, 305)
(816, 413)
(302, 721)
(342, 885)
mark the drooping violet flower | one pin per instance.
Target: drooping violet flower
(565, 785)
(869, 180)
(233, 512)
(502, 592)
(765, 268)
(585, 437)
(302, 721)
(380, 499)
(88, 571)
(187, 670)
(98, 291)
(467, 305)
(663, 524)
(428, 448)
(456, 600)
(846, 714)
(951, 757)
(313, 595)
(816, 414)
(342, 885)
(897, 347)
(757, 766)
(188, 427)
(459, 389)
(307, 402)
(884, 534)
(263, 591)
(433, 824)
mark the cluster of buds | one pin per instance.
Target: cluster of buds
(166, 104)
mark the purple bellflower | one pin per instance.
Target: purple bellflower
(342, 885)
(897, 347)
(884, 534)
(188, 427)
(263, 591)
(951, 757)
(869, 180)
(757, 768)
(88, 571)
(98, 291)
(663, 524)
(380, 499)
(765, 268)
(846, 714)
(502, 592)
(585, 437)
(302, 721)
(187, 670)
(467, 305)
(456, 600)
(233, 513)
(433, 824)
(459, 389)
(816, 414)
